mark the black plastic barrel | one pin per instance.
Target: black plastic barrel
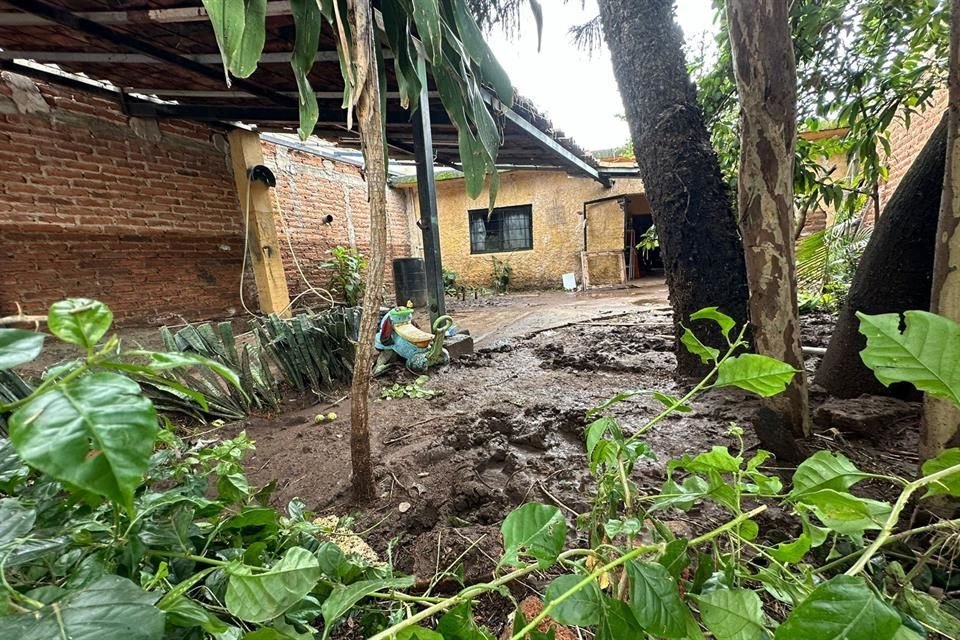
(410, 281)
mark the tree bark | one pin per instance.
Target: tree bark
(369, 119)
(766, 76)
(699, 241)
(894, 274)
(941, 418)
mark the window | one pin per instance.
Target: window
(503, 229)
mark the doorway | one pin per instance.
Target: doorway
(640, 251)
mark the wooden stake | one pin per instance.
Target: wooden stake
(256, 207)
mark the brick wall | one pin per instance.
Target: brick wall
(309, 187)
(907, 142)
(140, 214)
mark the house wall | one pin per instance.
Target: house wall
(557, 201)
(140, 214)
(309, 187)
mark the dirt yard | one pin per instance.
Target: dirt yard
(508, 426)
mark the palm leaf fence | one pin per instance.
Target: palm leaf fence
(830, 254)
(313, 351)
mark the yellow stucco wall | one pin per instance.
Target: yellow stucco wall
(605, 223)
(557, 202)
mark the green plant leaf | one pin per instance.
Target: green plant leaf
(758, 374)
(949, 485)
(697, 348)
(538, 530)
(617, 621)
(792, 551)
(491, 72)
(843, 608)
(227, 18)
(582, 609)
(418, 633)
(732, 614)
(717, 459)
(926, 354)
(343, 597)
(655, 601)
(95, 432)
(183, 360)
(16, 520)
(307, 18)
(258, 596)
(845, 513)
(187, 613)
(112, 608)
(247, 55)
(18, 346)
(458, 624)
(426, 15)
(825, 470)
(671, 402)
(79, 321)
(725, 322)
(928, 610)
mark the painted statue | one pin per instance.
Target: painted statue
(421, 350)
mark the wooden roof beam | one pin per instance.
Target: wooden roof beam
(105, 57)
(159, 16)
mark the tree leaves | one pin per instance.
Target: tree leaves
(949, 485)
(95, 432)
(847, 514)
(725, 322)
(112, 608)
(582, 609)
(825, 470)
(342, 599)
(732, 614)
(306, 17)
(258, 596)
(655, 601)
(458, 624)
(16, 520)
(758, 374)
(697, 348)
(926, 354)
(79, 321)
(843, 608)
(426, 15)
(537, 530)
(18, 346)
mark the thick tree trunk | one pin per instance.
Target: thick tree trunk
(766, 77)
(941, 418)
(371, 136)
(894, 273)
(699, 240)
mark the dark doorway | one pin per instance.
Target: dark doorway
(643, 260)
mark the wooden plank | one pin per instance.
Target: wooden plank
(256, 206)
(160, 16)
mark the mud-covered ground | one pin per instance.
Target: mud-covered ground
(508, 428)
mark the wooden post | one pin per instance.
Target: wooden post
(263, 245)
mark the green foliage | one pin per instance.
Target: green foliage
(416, 389)
(18, 347)
(649, 240)
(926, 353)
(349, 267)
(501, 275)
(535, 530)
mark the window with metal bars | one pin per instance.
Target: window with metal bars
(503, 229)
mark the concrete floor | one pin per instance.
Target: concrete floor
(492, 319)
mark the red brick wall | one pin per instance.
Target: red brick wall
(140, 214)
(309, 187)
(906, 143)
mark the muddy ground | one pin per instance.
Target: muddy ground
(508, 428)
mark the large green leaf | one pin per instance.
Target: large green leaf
(18, 346)
(538, 530)
(825, 470)
(491, 72)
(426, 15)
(655, 600)
(946, 486)
(79, 321)
(759, 374)
(187, 613)
(12, 468)
(257, 596)
(732, 614)
(845, 513)
(843, 608)
(16, 520)
(458, 624)
(95, 432)
(926, 354)
(617, 621)
(343, 597)
(112, 608)
(184, 360)
(227, 18)
(582, 609)
(307, 18)
(245, 58)
(725, 322)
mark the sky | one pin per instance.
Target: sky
(576, 89)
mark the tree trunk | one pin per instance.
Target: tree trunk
(766, 78)
(699, 241)
(941, 418)
(369, 120)
(894, 274)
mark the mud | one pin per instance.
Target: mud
(508, 428)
